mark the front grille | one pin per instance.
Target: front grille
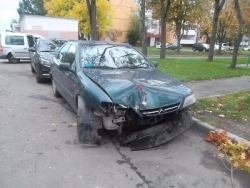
(162, 110)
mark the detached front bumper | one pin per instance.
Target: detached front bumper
(159, 134)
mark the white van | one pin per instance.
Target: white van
(14, 46)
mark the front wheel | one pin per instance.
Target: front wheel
(12, 59)
(88, 125)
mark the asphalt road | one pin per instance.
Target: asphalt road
(39, 148)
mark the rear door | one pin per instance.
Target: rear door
(18, 45)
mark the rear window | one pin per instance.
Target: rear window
(14, 40)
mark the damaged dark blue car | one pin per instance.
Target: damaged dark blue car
(113, 86)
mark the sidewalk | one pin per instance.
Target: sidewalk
(216, 88)
(219, 87)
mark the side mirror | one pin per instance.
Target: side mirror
(155, 63)
(64, 66)
(31, 49)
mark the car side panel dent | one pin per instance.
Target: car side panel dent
(91, 93)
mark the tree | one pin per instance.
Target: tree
(78, 9)
(227, 23)
(11, 23)
(239, 34)
(143, 27)
(34, 7)
(91, 5)
(165, 7)
(182, 15)
(218, 5)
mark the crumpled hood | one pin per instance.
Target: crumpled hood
(139, 88)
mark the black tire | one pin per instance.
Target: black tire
(88, 125)
(38, 77)
(32, 69)
(194, 50)
(54, 89)
(12, 59)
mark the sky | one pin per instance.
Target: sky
(8, 10)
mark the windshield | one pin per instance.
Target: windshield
(50, 45)
(112, 56)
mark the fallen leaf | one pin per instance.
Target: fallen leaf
(221, 155)
(74, 124)
(221, 115)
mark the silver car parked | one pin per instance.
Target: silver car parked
(14, 46)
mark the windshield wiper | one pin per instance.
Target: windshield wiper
(47, 51)
(126, 55)
(99, 67)
(133, 67)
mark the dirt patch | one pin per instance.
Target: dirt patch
(239, 128)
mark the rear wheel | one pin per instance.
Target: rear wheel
(54, 89)
(87, 125)
(12, 59)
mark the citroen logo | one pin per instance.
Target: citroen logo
(160, 111)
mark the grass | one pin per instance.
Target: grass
(209, 120)
(186, 51)
(235, 106)
(195, 69)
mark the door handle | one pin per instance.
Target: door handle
(25, 48)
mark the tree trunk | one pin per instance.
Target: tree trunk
(92, 18)
(143, 28)
(217, 8)
(178, 35)
(164, 13)
(239, 34)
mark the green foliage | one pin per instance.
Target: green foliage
(13, 21)
(78, 9)
(134, 32)
(34, 7)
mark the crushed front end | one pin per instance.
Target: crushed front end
(147, 128)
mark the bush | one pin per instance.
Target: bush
(133, 36)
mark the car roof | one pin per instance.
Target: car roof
(98, 42)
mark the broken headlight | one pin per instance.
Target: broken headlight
(191, 99)
(108, 107)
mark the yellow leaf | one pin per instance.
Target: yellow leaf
(221, 155)
(243, 155)
(74, 124)
(221, 115)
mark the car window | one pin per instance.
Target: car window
(63, 51)
(14, 40)
(112, 56)
(70, 55)
(50, 45)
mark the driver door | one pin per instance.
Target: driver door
(69, 77)
(56, 73)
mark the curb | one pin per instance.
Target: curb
(205, 127)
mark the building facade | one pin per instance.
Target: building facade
(49, 27)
